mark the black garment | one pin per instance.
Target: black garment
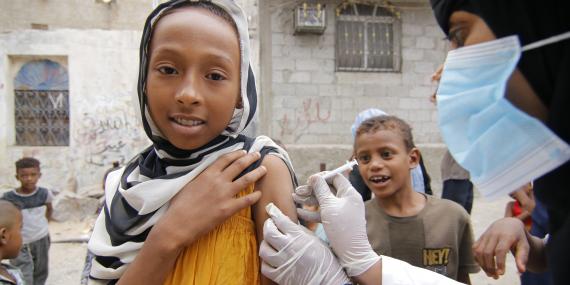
(427, 179)
(547, 69)
(459, 191)
(358, 184)
(443, 9)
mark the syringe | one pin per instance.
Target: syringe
(347, 166)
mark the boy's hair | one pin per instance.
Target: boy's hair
(8, 212)
(391, 123)
(27, 162)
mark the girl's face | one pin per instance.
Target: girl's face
(384, 162)
(193, 81)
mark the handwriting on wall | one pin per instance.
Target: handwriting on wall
(110, 133)
(313, 112)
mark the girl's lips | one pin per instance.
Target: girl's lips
(188, 122)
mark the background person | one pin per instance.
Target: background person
(36, 206)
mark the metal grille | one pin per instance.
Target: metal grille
(365, 42)
(42, 117)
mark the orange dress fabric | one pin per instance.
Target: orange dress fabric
(227, 255)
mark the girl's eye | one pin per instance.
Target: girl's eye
(215, 76)
(167, 70)
(363, 158)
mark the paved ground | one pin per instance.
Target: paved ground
(66, 260)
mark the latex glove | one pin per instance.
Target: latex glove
(343, 220)
(291, 254)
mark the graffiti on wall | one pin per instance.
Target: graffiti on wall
(109, 132)
(313, 112)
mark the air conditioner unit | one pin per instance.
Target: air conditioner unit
(310, 18)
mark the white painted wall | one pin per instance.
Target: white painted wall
(104, 125)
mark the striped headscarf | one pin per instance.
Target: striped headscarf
(137, 195)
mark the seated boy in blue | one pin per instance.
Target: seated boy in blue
(414, 227)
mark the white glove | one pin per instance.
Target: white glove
(291, 254)
(343, 220)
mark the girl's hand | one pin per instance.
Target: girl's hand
(201, 205)
(209, 200)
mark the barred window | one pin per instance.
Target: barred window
(41, 93)
(367, 39)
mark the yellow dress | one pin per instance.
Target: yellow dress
(227, 255)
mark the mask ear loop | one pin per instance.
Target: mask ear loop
(547, 41)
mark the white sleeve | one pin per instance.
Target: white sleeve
(397, 272)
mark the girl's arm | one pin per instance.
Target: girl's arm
(276, 187)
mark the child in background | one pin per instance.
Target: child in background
(401, 223)
(421, 182)
(523, 205)
(36, 206)
(196, 94)
(10, 242)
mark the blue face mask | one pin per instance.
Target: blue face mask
(501, 146)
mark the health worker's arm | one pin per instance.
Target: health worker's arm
(391, 271)
(276, 187)
(207, 201)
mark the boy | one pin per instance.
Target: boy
(10, 242)
(35, 203)
(420, 229)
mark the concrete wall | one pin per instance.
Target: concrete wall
(311, 106)
(77, 14)
(104, 125)
(311, 103)
(83, 14)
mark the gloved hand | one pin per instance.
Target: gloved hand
(291, 254)
(343, 220)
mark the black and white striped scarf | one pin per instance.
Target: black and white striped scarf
(137, 195)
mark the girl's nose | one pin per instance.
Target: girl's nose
(188, 95)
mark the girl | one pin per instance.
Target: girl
(197, 94)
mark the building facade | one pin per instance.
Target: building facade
(68, 73)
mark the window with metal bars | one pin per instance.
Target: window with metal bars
(41, 101)
(367, 39)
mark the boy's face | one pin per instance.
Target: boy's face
(384, 162)
(12, 238)
(193, 81)
(28, 177)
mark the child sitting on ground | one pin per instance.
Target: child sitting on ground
(35, 203)
(10, 242)
(414, 227)
(197, 95)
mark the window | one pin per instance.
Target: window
(368, 39)
(41, 96)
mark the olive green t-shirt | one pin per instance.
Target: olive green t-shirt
(438, 238)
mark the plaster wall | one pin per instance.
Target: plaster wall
(104, 124)
(313, 103)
